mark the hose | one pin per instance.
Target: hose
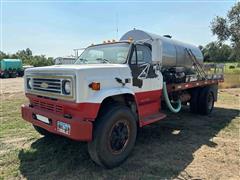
(169, 105)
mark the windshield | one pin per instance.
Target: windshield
(106, 53)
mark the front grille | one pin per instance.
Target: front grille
(47, 85)
(47, 106)
(50, 85)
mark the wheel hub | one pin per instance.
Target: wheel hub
(119, 136)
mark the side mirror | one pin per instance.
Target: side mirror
(157, 52)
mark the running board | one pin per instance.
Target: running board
(151, 119)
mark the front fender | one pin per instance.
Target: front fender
(99, 96)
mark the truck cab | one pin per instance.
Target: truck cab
(112, 89)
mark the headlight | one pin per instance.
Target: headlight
(67, 87)
(29, 83)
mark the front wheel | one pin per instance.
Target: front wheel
(114, 137)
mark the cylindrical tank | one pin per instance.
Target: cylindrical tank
(7, 64)
(173, 52)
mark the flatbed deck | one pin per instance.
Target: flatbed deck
(193, 84)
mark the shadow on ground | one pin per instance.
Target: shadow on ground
(163, 150)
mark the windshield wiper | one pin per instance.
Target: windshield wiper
(103, 60)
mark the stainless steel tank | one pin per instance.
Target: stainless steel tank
(173, 52)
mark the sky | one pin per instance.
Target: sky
(55, 28)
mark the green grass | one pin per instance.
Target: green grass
(158, 154)
(12, 127)
(228, 69)
(231, 75)
(235, 70)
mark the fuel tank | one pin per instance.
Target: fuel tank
(173, 52)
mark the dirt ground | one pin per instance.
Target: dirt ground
(183, 146)
(11, 87)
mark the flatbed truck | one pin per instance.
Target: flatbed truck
(115, 87)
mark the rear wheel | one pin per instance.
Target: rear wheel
(42, 131)
(13, 74)
(114, 137)
(194, 101)
(206, 101)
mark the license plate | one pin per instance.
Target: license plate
(42, 118)
(63, 127)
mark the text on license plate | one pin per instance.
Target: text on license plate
(63, 127)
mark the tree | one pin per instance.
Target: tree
(28, 52)
(216, 52)
(41, 61)
(28, 59)
(2, 55)
(200, 47)
(228, 28)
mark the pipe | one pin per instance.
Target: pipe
(169, 105)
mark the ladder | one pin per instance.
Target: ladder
(197, 66)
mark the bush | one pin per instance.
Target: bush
(231, 67)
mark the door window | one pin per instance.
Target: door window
(143, 54)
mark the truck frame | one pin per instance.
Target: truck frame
(103, 103)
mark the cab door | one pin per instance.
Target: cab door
(146, 80)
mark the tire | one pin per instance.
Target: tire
(194, 101)
(206, 101)
(114, 137)
(42, 131)
(20, 73)
(13, 75)
(5, 75)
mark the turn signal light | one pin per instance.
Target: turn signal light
(95, 86)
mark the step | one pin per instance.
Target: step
(152, 118)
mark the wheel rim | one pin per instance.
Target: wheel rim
(210, 101)
(119, 136)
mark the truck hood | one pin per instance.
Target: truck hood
(73, 68)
